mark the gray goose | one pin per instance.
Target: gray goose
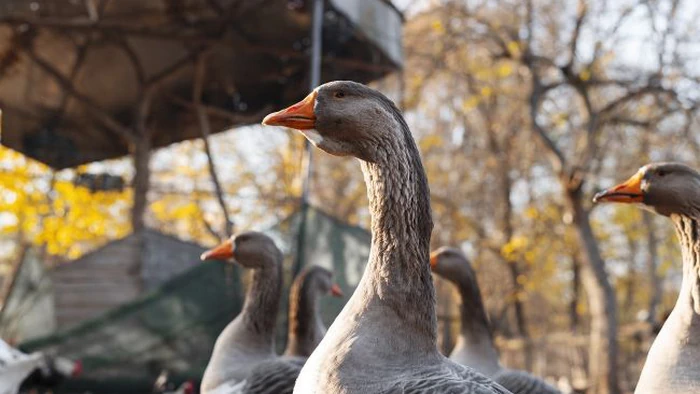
(474, 347)
(384, 339)
(671, 190)
(250, 338)
(237, 368)
(306, 328)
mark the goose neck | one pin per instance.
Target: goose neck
(262, 300)
(475, 326)
(688, 231)
(305, 324)
(398, 271)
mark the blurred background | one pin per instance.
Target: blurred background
(130, 144)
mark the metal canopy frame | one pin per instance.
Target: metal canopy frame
(91, 80)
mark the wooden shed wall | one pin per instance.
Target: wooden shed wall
(96, 282)
(112, 275)
(166, 256)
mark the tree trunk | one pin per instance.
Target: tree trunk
(631, 284)
(654, 280)
(603, 350)
(575, 294)
(519, 310)
(513, 267)
(141, 153)
(508, 232)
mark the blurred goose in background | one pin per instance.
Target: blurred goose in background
(475, 347)
(306, 328)
(244, 360)
(671, 190)
(33, 371)
(384, 340)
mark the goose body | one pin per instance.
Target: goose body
(15, 366)
(384, 339)
(475, 347)
(672, 190)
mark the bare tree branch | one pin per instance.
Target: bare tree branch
(204, 128)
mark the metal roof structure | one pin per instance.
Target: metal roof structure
(74, 74)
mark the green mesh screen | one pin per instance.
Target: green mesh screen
(175, 327)
(172, 328)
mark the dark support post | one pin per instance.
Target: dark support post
(315, 80)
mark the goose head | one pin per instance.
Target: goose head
(322, 281)
(342, 118)
(451, 264)
(664, 188)
(250, 249)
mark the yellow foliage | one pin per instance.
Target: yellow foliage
(514, 248)
(514, 47)
(531, 213)
(438, 27)
(470, 103)
(65, 218)
(504, 70)
(431, 141)
(585, 75)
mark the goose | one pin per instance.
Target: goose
(384, 339)
(671, 190)
(238, 367)
(20, 371)
(475, 347)
(306, 329)
(250, 338)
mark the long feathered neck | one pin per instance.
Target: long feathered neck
(475, 324)
(305, 325)
(262, 300)
(688, 231)
(398, 271)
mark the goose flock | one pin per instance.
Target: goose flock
(384, 339)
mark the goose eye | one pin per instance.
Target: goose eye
(661, 173)
(339, 94)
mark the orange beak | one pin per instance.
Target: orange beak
(299, 116)
(628, 192)
(221, 252)
(433, 261)
(336, 291)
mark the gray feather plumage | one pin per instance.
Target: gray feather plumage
(520, 382)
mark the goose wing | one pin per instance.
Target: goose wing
(447, 379)
(520, 382)
(275, 376)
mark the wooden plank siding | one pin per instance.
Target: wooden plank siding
(117, 273)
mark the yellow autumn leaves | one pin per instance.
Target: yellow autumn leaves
(42, 208)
